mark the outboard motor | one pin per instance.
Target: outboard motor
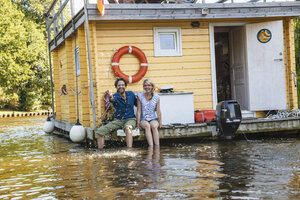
(228, 118)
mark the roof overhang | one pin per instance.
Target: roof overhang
(194, 11)
(134, 12)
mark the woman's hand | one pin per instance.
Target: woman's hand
(160, 124)
(138, 126)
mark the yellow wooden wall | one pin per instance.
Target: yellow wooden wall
(190, 72)
(63, 62)
(84, 102)
(56, 80)
(290, 62)
(64, 74)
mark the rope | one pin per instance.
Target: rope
(58, 93)
(75, 92)
(64, 91)
(103, 113)
(283, 114)
(107, 105)
(246, 137)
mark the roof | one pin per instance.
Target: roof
(194, 11)
(186, 11)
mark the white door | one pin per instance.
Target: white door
(238, 65)
(265, 65)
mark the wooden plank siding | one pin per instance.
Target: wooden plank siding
(70, 76)
(66, 105)
(99, 103)
(62, 54)
(56, 85)
(84, 81)
(63, 80)
(190, 72)
(92, 33)
(291, 61)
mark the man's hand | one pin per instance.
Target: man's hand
(109, 92)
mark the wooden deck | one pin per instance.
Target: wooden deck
(198, 130)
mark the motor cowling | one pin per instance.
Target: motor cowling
(228, 118)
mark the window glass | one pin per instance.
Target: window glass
(167, 41)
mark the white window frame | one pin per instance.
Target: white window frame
(178, 45)
(77, 63)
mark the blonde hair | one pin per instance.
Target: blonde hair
(148, 81)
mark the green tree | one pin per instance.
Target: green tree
(23, 55)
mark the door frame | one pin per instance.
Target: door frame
(213, 57)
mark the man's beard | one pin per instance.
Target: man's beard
(121, 91)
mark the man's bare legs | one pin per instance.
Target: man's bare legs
(100, 141)
(129, 139)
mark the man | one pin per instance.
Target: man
(123, 102)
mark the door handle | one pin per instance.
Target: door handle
(278, 59)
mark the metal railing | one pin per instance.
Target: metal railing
(62, 12)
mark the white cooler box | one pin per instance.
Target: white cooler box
(177, 107)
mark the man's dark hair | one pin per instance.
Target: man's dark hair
(120, 79)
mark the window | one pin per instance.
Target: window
(77, 65)
(167, 41)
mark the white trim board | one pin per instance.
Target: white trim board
(213, 58)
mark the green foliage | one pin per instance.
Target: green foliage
(23, 55)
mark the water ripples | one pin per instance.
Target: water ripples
(34, 165)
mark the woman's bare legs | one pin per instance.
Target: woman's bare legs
(146, 125)
(154, 125)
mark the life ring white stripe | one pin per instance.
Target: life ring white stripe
(144, 64)
(130, 49)
(115, 64)
(130, 79)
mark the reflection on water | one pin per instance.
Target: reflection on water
(35, 165)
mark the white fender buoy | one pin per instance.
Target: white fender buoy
(77, 133)
(48, 126)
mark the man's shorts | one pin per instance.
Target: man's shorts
(115, 125)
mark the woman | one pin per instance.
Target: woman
(148, 114)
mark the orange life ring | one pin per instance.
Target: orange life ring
(143, 63)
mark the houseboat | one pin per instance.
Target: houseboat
(198, 53)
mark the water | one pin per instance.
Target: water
(35, 165)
